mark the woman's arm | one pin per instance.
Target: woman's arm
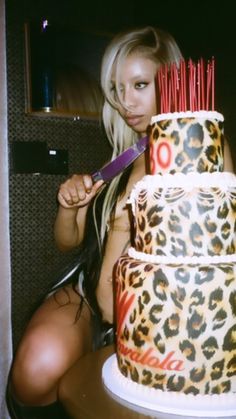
(74, 197)
(69, 227)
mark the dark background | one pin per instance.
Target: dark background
(200, 28)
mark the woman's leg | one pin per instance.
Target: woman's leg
(53, 341)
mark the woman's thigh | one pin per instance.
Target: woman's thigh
(57, 335)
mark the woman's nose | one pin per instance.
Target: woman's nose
(128, 98)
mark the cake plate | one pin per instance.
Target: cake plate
(171, 404)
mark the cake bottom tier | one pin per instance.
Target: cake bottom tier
(176, 325)
(149, 401)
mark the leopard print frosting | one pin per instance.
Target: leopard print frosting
(186, 144)
(176, 290)
(185, 219)
(176, 325)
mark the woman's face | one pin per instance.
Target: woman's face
(137, 92)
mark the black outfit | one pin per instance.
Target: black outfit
(88, 264)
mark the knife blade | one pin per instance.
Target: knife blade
(116, 166)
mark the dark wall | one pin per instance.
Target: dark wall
(199, 28)
(35, 259)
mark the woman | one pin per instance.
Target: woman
(74, 321)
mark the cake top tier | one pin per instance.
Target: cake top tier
(186, 142)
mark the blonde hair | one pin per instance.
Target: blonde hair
(152, 43)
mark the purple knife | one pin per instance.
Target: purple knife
(121, 162)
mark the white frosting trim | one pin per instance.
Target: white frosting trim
(187, 181)
(181, 260)
(188, 114)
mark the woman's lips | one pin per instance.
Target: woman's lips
(133, 120)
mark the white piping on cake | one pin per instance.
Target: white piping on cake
(181, 260)
(186, 181)
(203, 405)
(188, 114)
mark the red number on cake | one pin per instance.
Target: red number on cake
(164, 155)
(160, 156)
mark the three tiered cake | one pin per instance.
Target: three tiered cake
(176, 287)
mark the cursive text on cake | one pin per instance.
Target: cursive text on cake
(149, 359)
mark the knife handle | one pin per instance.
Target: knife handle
(96, 176)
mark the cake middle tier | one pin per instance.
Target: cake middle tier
(185, 215)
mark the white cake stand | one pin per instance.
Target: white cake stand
(169, 404)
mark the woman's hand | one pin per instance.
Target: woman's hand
(77, 191)
(74, 195)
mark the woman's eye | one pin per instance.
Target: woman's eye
(141, 85)
(114, 90)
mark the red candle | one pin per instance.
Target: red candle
(208, 85)
(213, 84)
(202, 84)
(198, 87)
